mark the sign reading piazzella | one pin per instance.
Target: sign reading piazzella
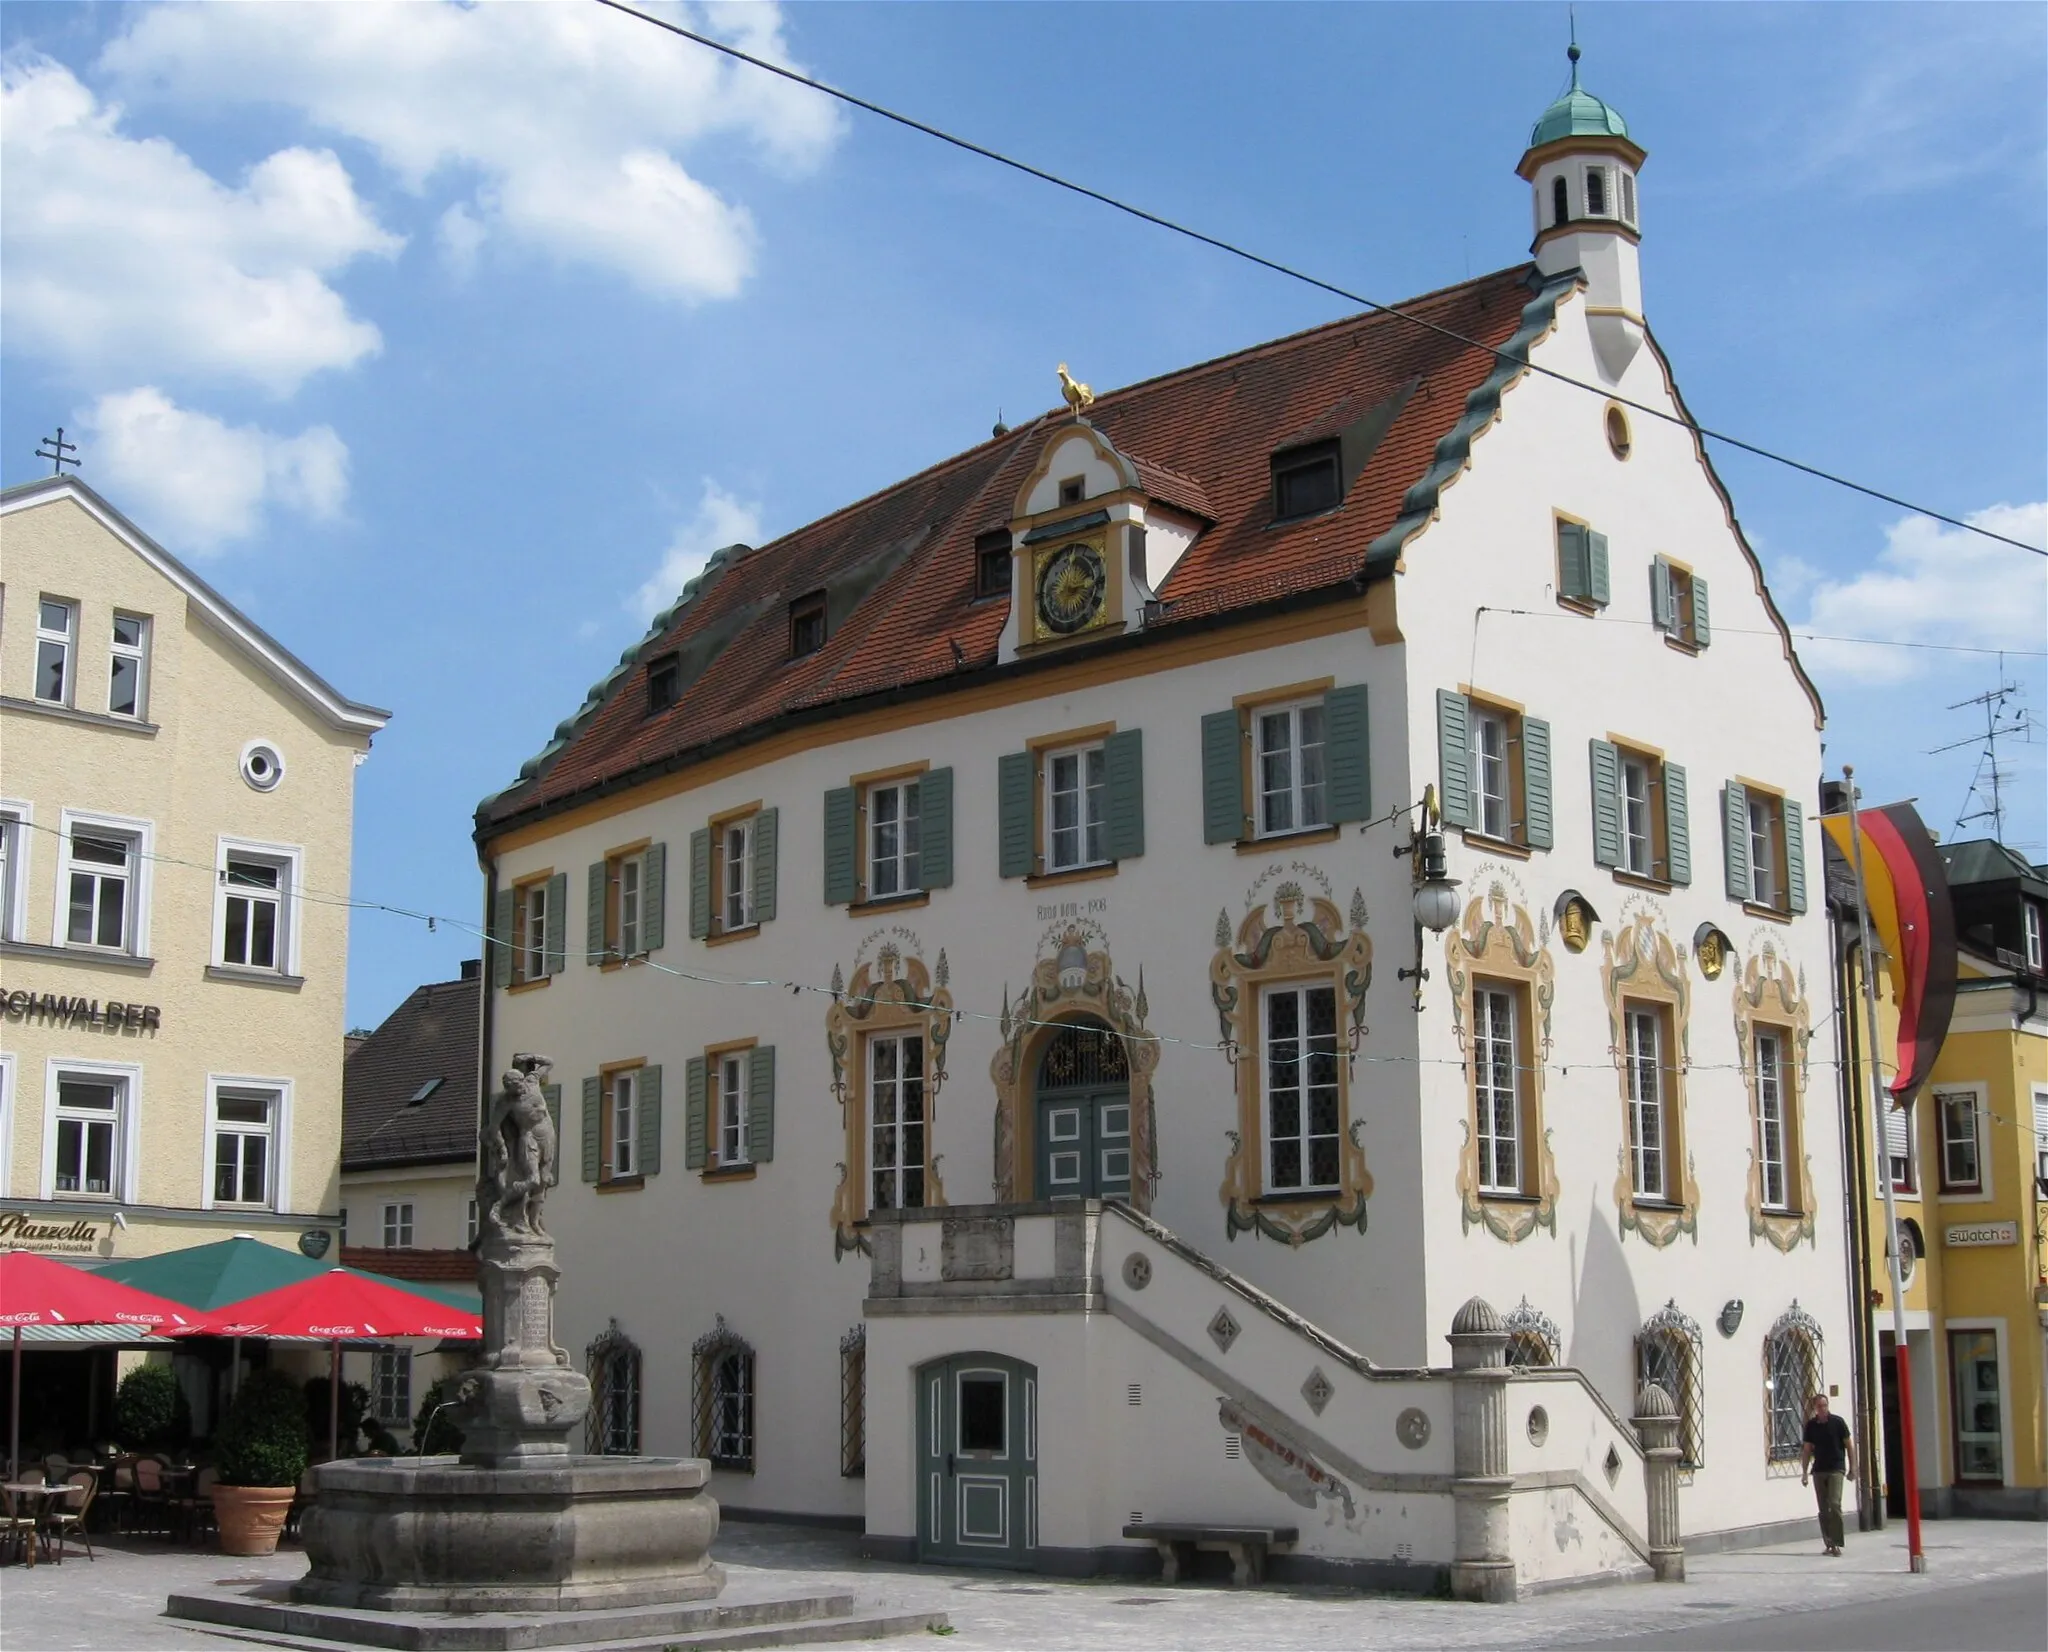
(113, 1014)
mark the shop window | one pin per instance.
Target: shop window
(1979, 1406)
(723, 1381)
(612, 1363)
(1792, 1376)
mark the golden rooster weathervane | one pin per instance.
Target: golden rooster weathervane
(1079, 396)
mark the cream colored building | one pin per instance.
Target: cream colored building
(176, 810)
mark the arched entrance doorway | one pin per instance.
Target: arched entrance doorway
(1083, 1091)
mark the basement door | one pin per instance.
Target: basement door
(977, 1461)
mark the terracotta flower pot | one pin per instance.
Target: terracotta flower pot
(251, 1517)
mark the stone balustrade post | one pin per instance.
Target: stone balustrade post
(1483, 1567)
(1656, 1421)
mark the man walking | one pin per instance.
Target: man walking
(1828, 1456)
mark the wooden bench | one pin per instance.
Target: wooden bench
(1246, 1546)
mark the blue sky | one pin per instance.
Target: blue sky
(448, 341)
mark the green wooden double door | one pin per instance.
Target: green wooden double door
(1083, 1125)
(977, 1460)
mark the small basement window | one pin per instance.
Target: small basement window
(664, 682)
(807, 625)
(1306, 481)
(992, 564)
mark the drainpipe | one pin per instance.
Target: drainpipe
(1870, 1511)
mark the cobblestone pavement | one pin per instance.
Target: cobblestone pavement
(116, 1604)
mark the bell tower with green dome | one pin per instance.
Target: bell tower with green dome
(1581, 165)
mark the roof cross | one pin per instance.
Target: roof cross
(58, 452)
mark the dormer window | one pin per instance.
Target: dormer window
(807, 625)
(1306, 481)
(664, 683)
(1073, 490)
(1560, 200)
(992, 564)
(1596, 192)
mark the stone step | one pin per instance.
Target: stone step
(801, 1620)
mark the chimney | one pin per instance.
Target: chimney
(472, 969)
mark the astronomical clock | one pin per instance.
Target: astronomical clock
(1070, 588)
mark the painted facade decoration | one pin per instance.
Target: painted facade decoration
(1288, 1467)
(892, 991)
(1772, 994)
(1290, 935)
(1642, 966)
(1497, 941)
(1073, 981)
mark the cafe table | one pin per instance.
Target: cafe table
(27, 1496)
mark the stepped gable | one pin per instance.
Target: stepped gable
(1202, 439)
(432, 1035)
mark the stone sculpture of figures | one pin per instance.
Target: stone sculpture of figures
(519, 1148)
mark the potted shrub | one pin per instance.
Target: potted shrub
(150, 1409)
(261, 1451)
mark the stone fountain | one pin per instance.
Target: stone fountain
(519, 1522)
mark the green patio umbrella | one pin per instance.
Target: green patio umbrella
(232, 1270)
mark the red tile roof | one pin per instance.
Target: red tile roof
(424, 1267)
(1203, 438)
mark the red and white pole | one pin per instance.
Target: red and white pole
(1916, 1557)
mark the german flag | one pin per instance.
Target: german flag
(1905, 885)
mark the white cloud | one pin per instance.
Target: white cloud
(460, 237)
(123, 256)
(564, 122)
(195, 482)
(1936, 584)
(720, 520)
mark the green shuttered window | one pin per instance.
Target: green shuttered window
(1313, 766)
(700, 883)
(889, 839)
(1493, 771)
(842, 846)
(1016, 813)
(761, 1104)
(1582, 565)
(1062, 809)
(653, 892)
(1640, 820)
(767, 849)
(729, 1109)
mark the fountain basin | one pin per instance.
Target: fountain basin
(563, 1533)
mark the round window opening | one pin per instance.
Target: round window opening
(1618, 437)
(262, 766)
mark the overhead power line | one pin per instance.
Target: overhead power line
(1288, 270)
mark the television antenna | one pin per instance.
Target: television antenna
(2003, 720)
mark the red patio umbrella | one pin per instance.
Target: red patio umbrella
(34, 1290)
(340, 1305)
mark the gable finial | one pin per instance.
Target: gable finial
(1572, 51)
(58, 452)
(1078, 396)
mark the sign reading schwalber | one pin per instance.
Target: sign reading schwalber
(112, 1015)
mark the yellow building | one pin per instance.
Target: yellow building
(1968, 1164)
(176, 810)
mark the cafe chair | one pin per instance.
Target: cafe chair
(64, 1515)
(152, 1506)
(18, 1533)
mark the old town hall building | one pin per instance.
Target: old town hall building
(1066, 976)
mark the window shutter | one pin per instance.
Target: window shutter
(841, 884)
(1454, 757)
(1735, 839)
(1347, 751)
(1898, 1135)
(1123, 762)
(502, 911)
(593, 1127)
(2041, 1121)
(935, 829)
(653, 896)
(1013, 814)
(1574, 568)
(1700, 633)
(1537, 827)
(649, 1156)
(1795, 855)
(1605, 763)
(761, 1103)
(767, 856)
(1678, 829)
(557, 953)
(695, 1125)
(1660, 594)
(700, 883)
(553, 1093)
(1222, 777)
(593, 913)
(1596, 564)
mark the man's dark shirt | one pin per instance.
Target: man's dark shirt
(1829, 1437)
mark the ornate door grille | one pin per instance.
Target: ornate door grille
(1083, 1053)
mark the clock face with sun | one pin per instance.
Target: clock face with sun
(1071, 585)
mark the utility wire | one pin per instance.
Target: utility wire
(1235, 251)
(1762, 631)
